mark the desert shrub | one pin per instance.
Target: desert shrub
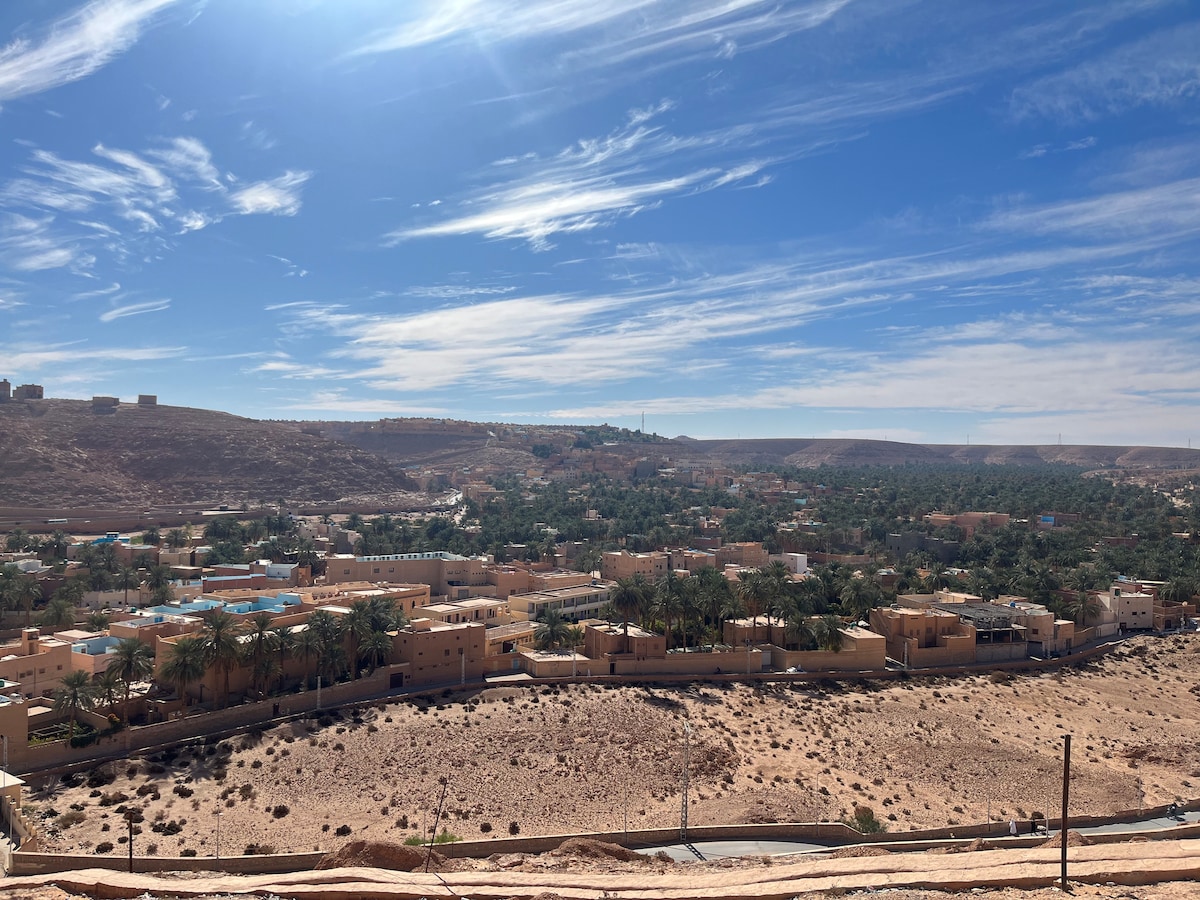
(514, 828)
(258, 850)
(188, 851)
(485, 827)
(342, 830)
(280, 810)
(104, 847)
(72, 817)
(863, 820)
(183, 790)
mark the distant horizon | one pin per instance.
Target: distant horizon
(886, 219)
(580, 425)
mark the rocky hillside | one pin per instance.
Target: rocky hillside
(808, 453)
(65, 454)
(62, 453)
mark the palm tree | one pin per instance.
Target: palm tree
(668, 602)
(357, 625)
(308, 647)
(826, 632)
(26, 592)
(626, 599)
(59, 614)
(1083, 608)
(284, 641)
(98, 621)
(76, 694)
(375, 649)
(127, 577)
(108, 687)
(858, 598)
(261, 644)
(222, 648)
(753, 590)
(135, 662)
(187, 663)
(176, 538)
(552, 629)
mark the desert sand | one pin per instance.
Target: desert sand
(548, 760)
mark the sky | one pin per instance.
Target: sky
(915, 220)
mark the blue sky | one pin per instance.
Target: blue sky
(925, 221)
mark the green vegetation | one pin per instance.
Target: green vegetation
(445, 837)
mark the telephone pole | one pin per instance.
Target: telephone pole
(687, 758)
(1066, 788)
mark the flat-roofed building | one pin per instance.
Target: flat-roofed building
(575, 603)
(488, 610)
(618, 564)
(35, 664)
(924, 637)
(1133, 607)
(437, 653)
(443, 572)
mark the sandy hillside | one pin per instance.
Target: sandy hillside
(543, 761)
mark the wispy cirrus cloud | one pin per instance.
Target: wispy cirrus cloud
(74, 46)
(1166, 212)
(134, 309)
(620, 31)
(278, 196)
(593, 183)
(25, 357)
(125, 201)
(1161, 70)
(31, 244)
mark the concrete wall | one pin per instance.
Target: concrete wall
(26, 863)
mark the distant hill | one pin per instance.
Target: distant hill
(808, 453)
(62, 453)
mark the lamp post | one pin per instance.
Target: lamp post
(218, 817)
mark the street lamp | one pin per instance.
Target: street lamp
(217, 813)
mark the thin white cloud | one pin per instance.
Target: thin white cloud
(278, 196)
(30, 244)
(130, 200)
(593, 183)
(1169, 211)
(134, 309)
(23, 358)
(623, 29)
(74, 46)
(188, 158)
(1161, 70)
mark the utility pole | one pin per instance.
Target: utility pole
(687, 758)
(437, 818)
(1066, 788)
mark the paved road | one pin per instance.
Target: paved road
(724, 849)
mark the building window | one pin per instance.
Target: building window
(447, 651)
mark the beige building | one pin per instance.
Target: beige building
(35, 665)
(1133, 608)
(437, 653)
(447, 574)
(745, 554)
(922, 638)
(1045, 633)
(862, 650)
(575, 603)
(618, 564)
(488, 610)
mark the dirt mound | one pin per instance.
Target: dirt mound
(590, 849)
(1074, 839)
(381, 855)
(852, 852)
(975, 845)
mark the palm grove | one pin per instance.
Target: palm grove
(857, 508)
